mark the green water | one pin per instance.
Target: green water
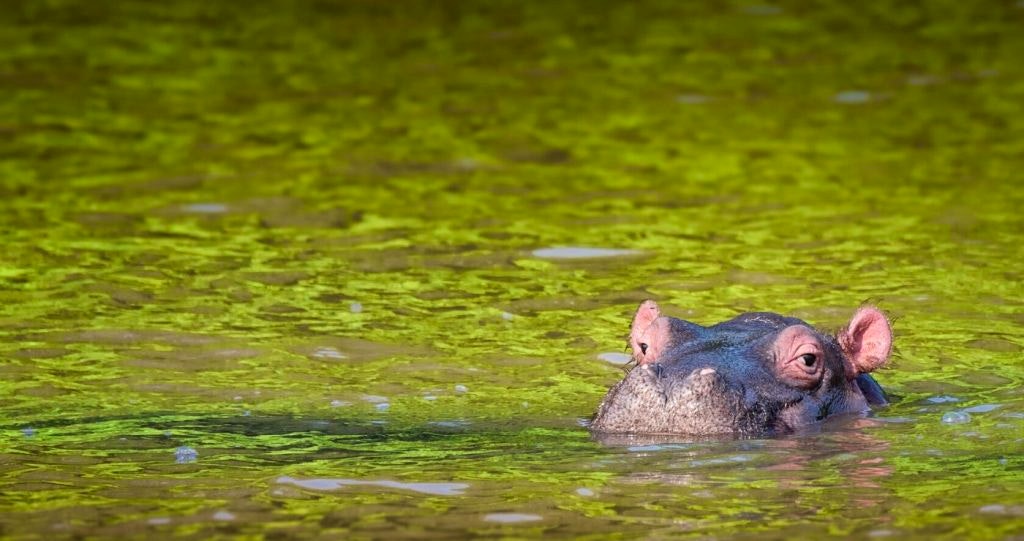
(302, 241)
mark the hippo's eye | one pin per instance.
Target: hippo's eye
(809, 359)
(643, 348)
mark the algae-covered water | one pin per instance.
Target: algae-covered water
(288, 270)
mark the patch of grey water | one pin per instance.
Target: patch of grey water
(205, 208)
(512, 518)
(435, 489)
(581, 252)
(615, 358)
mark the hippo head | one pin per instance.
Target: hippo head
(758, 373)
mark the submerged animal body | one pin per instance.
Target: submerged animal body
(759, 373)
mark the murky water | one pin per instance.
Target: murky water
(364, 270)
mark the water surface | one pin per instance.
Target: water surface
(360, 270)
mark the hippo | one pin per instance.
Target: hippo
(757, 374)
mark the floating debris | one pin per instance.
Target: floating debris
(580, 252)
(223, 515)
(205, 208)
(956, 418)
(983, 408)
(328, 352)
(509, 518)
(185, 455)
(450, 424)
(853, 96)
(1000, 509)
(436, 489)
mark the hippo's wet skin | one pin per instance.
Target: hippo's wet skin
(758, 373)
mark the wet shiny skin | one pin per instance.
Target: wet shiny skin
(756, 374)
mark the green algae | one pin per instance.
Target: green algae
(300, 238)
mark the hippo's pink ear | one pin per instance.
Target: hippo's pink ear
(866, 341)
(649, 334)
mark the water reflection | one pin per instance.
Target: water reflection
(581, 252)
(845, 448)
(435, 489)
(511, 518)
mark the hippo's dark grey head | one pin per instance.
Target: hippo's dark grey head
(758, 373)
